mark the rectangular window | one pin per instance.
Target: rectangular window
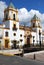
(24, 36)
(20, 35)
(13, 16)
(14, 27)
(33, 24)
(6, 16)
(6, 34)
(21, 40)
(14, 34)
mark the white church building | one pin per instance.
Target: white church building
(13, 34)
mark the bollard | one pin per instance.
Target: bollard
(34, 57)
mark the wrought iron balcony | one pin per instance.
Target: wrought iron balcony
(14, 28)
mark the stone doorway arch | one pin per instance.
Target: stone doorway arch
(29, 39)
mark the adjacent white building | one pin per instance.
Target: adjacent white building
(12, 34)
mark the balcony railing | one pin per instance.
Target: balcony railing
(14, 28)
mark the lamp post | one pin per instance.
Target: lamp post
(33, 40)
(40, 38)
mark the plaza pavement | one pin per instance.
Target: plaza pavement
(15, 60)
(39, 55)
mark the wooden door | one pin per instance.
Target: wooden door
(28, 40)
(6, 43)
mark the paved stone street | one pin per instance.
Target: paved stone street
(39, 55)
(14, 60)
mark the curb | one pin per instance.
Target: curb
(7, 54)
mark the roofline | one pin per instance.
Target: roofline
(12, 9)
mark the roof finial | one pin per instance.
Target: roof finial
(11, 5)
(35, 17)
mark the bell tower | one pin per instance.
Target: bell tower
(11, 16)
(11, 23)
(35, 23)
(36, 26)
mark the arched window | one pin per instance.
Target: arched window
(33, 24)
(6, 34)
(6, 16)
(13, 16)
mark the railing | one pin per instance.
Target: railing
(14, 29)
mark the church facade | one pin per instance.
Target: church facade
(13, 35)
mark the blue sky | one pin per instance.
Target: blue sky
(28, 4)
(26, 9)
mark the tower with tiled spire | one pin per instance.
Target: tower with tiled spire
(10, 14)
(11, 24)
(35, 22)
(36, 26)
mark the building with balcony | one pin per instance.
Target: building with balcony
(12, 34)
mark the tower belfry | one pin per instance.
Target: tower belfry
(11, 13)
(35, 22)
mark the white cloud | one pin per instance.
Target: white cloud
(26, 16)
(2, 7)
(23, 14)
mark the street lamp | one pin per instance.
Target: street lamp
(40, 38)
(33, 40)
